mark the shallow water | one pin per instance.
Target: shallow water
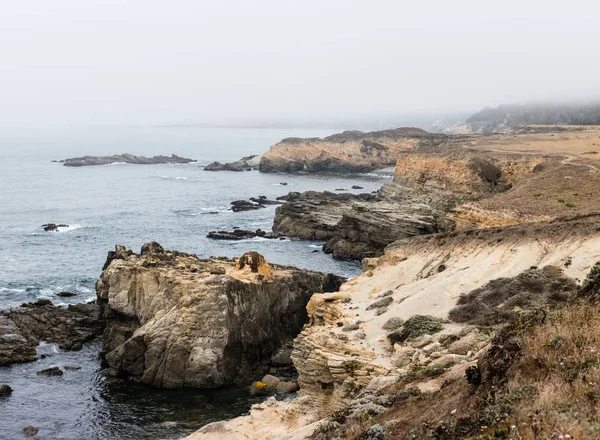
(175, 205)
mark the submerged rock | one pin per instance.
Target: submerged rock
(124, 158)
(52, 371)
(172, 322)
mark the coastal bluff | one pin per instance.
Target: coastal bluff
(175, 320)
(347, 152)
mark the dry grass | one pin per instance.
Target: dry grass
(561, 368)
(548, 388)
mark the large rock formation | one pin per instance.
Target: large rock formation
(174, 320)
(22, 328)
(347, 152)
(123, 158)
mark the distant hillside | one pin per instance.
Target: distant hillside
(505, 117)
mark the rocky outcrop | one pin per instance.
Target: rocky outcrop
(53, 227)
(240, 234)
(252, 204)
(247, 163)
(174, 320)
(347, 152)
(124, 158)
(360, 226)
(22, 328)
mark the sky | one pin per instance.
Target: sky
(233, 61)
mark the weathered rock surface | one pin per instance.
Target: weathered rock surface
(347, 152)
(359, 226)
(22, 328)
(174, 320)
(123, 158)
(247, 163)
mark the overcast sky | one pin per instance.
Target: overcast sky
(183, 61)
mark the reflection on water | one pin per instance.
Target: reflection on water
(83, 404)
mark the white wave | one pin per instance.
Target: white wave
(117, 163)
(89, 298)
(181, 178)
(316, 246)
(9, 289)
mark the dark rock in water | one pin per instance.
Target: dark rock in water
(124, 158)
(262, 200)
(21, 328)
(283, 183)
(52, 371)
(71, 367)
(315, 251)
(244, 205)
(341, 189)
(5, 390)
(38, 303)
(30, 431)
(239, 234)
(53, 227)
(357, 187)
(247, 163)
(254, 203)
(66, 294)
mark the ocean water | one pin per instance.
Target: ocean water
(175, 205)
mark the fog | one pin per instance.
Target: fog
(284, 61)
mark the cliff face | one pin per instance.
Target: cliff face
(347, 152)
(389, 334)
(347, 342)
(173, 320)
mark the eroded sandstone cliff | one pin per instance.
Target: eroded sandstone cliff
(174, 320)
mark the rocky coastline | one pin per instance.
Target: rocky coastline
(248, 163)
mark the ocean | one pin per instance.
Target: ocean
(175, 205)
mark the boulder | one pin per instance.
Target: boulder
(53, 227)
(30, 431)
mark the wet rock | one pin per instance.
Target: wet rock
(357, 187)
(244, 205)
(21, 328)
(53, 227)
(5, 390)
(240, 234)
(30, 431)
(66, 294)
(52, 371)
